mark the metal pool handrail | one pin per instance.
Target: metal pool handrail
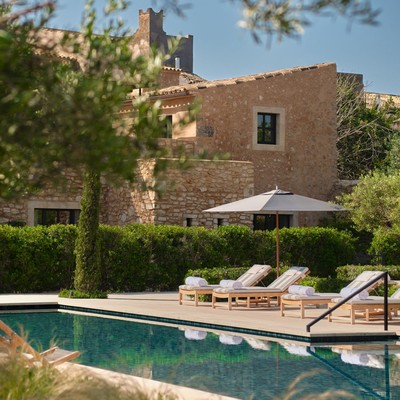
(385, 276)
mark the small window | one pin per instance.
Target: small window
(189, 221)
(44, 216)
(269, 128)
(167, 127)
(220, 222)
(267, 222)
(266, 128)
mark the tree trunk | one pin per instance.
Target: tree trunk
(87, 273)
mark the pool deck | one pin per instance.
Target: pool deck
(164, 307)
(257, 320)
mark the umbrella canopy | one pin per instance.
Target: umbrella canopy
(275, 201)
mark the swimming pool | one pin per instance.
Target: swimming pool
(224, 363)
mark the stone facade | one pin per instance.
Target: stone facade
(67, 197)
(304, 160)
(189, 192)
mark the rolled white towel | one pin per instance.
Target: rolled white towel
(229, 339)
(192, 334)
(229, 283)
(345, 292)
(195, 281)
(301, 290)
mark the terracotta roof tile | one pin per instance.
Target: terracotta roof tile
(238, 80)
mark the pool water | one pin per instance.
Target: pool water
(224, 363)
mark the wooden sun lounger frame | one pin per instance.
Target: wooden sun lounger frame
(53, 356)
(195, 292)
(365, 310)
(252, 297)
(325, 300)
(263, 296)
(302, 303)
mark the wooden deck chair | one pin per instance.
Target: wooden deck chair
(250, 278)
(276, 289)
(52, 356)
(373, 305)
(301, 301)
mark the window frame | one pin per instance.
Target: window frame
(267, 132)
(73, 216)
(280, 128)
(51, 205)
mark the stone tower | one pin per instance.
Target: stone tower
(151, 32)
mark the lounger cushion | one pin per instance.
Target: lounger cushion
(192, 287)
(316, 296)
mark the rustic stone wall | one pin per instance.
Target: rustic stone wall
(185, 194)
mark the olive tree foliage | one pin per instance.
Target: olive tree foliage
(58, 113)
(375, 202)
(366, 133)
(267, 19)
(63, 113)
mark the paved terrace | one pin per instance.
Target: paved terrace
(258, 320)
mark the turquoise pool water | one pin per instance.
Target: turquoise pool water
(225, 363)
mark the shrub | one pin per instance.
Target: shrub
(36, 259)
(324, 285)
(76, 294)
(386, 246)
(320, 249)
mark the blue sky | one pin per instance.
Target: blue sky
(223, 50)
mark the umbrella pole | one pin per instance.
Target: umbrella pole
(277, 242)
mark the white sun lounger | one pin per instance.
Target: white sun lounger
(278, 287)
(250, 278)
(301, 301)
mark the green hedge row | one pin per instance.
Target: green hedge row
(36, 259)
(147, 257)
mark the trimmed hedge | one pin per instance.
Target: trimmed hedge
(320, 249)
(36, 259)
(147, 257)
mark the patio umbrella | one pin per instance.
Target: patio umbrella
(275, 201)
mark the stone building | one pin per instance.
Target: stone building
(273, 129)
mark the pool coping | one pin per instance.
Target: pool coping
(310, 338)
